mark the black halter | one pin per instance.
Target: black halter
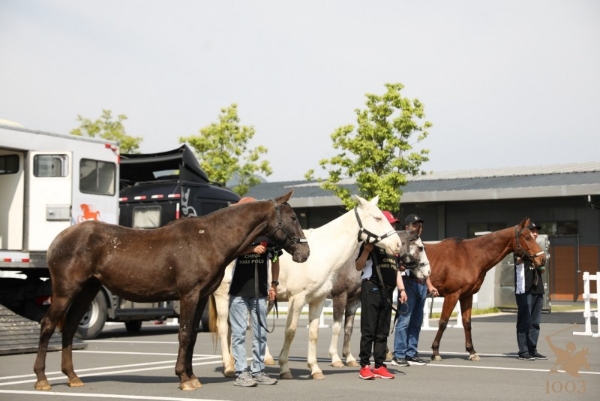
(371, 238)
(288, 237)
(520, 251)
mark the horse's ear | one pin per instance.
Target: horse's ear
(375, 200)
(284, 198)
(525, 222)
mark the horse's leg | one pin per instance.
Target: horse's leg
(295, 304)
(188, 304)
(339, 303)
(447, 308)
(192, 343)
(466, 305)
(48, 324)
(350, 315)
(224, 332)
(79, 307)
(269, 360)
(314, 314)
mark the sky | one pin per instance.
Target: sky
(504, 83)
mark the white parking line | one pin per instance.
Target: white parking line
(93, 395)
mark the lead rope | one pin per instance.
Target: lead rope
(256, 298)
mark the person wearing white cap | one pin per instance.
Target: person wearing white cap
(529, 293)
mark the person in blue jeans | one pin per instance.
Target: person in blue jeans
(248, 294)
(410, 319)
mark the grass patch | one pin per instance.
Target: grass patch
(566, 308)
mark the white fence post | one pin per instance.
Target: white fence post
(458, 325)
(587, 310)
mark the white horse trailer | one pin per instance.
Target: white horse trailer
(48, 182)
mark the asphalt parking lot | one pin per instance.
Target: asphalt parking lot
(118, 365)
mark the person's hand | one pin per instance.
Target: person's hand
(260, 249)
(272, 293)
(433, 291)
(402, 297)
(368, 247)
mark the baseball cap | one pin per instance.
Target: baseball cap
(390, 217)
(413, 218)
(533, 226)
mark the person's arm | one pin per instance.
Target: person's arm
(431, 289)
(275, 278)
(402, 297)
(254, 249)
(362, 259)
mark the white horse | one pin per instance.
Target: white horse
(310, 283)
(346, 299)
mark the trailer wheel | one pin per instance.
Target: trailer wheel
(133, 326)
(93, 321)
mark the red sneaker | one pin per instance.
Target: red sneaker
(366, 373)
(382, 373)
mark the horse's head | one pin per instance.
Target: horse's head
(413, 255)
(525, 245)
(284, 229)
(374, 227)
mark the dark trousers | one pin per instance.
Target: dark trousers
(375, 317)
(529, 316)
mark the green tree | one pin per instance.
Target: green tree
(106, 128)
(378, 153)
(222, 149)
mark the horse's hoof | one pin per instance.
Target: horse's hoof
(229, 373)
(474, 357)
(389, 356)
(75, 382)
(337, 364)
(286, 376)
(352, 364)
(318, 376)
(436, 358)
(43, 385)
(270, 361)
(196, 383)
(187, 386)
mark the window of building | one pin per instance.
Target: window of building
(97, 177)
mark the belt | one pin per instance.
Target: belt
(418, 280)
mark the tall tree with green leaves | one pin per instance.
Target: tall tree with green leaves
(378, 152)
(107, 128)
(223, 152)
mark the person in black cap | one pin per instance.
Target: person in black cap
(408, 326)
(529, 293)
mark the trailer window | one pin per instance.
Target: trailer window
(146, 217)
(50, 165)
(97, 177)
(9, 164)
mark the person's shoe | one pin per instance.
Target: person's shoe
(263, 378)
(537, 355)
(382, 373)
(415, 360)
(399, 362)
(366, 373)
(526, 357)
(245, 380)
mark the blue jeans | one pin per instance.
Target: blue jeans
(408, 326)
(529, 316)
(238, 318)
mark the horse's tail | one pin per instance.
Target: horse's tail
(212, 315)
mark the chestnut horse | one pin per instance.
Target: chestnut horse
(183, 260)
(331, 246)
(458, 267)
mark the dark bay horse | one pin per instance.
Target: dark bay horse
(183, 260)
(458, 267)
